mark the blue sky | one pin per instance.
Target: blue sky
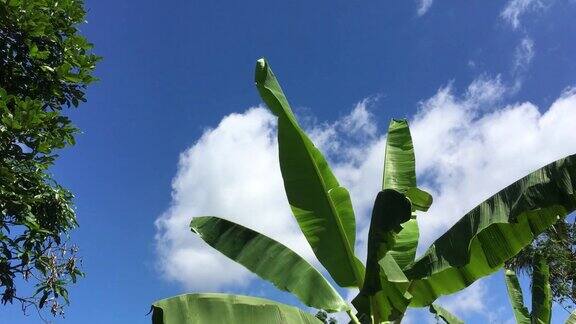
(173, 129)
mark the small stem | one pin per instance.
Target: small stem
(353, 317)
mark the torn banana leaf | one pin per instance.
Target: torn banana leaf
(493, 232)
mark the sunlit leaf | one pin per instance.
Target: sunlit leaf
(270, 260)
(321, 206)
(223, 308)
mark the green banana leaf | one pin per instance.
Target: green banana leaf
(321, 206)
(541, 292)
(516, 297)
(391, 209)
(572, 318)
(404, 250)
(224, 308)
(400, 174)
(270, 260)
(399, 159)
(420, 199)
(496, 230)
(445, 315)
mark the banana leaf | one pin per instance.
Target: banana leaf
(496, 230)
(404, 249)
(400, 174)
(572, 318)
(399, 159)
(224, 308)
(270, 260)
(445, 315)
(391, 209)
(516, 297)
(321, 206)
(541, 292)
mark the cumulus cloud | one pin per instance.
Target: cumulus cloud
(468, 146)
(515, 9)
(231, 172)
(424, 6)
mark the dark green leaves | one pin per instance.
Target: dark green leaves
(223, 308)
(480, 242)
(391, 209)
(321, 206)
(270, 260)
(45, 66)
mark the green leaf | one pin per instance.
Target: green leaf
(420, 199)
(496, 230)
(445, 315)
(223, 308)
(391, 209)
(572, 318)
(516, 298)
(400, 174)
(541, 292)
(321, 206)
(399, 160)
(404, 249)
(270, 260)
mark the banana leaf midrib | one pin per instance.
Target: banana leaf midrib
(325, 193)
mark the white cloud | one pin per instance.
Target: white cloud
(231, 172)
(523, 54)
(468, 146)
(470, 300)
(465, 156)
(515, 9)
(424, 6)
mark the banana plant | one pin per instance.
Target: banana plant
(392, 279)
(541, 295)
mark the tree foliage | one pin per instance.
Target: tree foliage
(45, 66)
